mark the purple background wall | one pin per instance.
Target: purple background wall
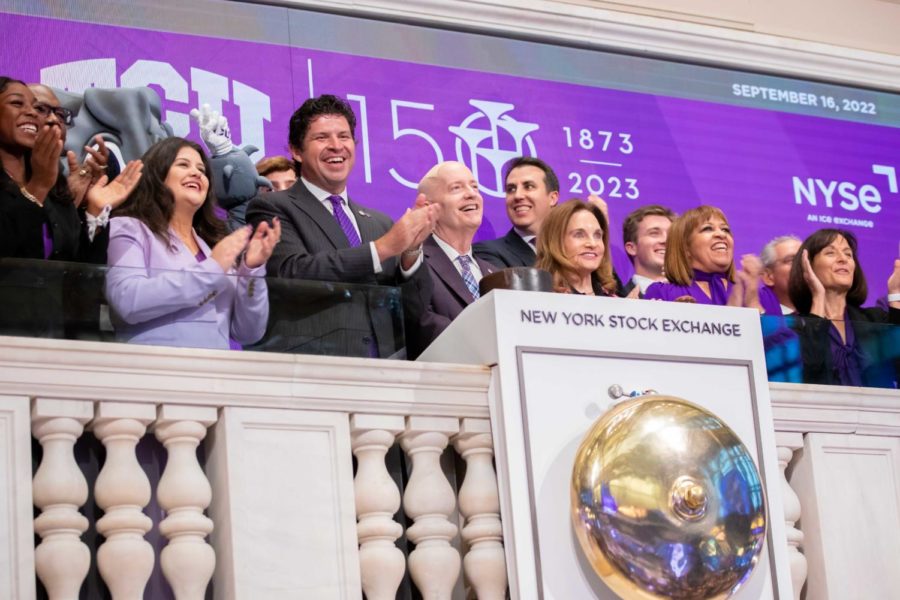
(678, 152)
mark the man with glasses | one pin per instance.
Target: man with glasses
(81, 176)
(777, 257)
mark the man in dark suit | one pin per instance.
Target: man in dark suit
(431, 305)
(532, 189)
(644, 233)
(325, 235)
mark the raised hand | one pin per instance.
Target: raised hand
(213, 129)
(230, 247)
(751, 270)
(816, 289)
(113, 193)
(894, 280)
(45, 161)
(263, 242)
(601, 204)
(410, 230)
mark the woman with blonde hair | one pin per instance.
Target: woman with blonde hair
(700, 265)
(572, 247)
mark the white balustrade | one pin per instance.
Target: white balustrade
(479, 502)
(62, 560)
(122, 489)
(429, 500)
(184, 492)
(381, 563)
(787, 443)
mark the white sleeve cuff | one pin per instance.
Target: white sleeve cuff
(407, 273)
(94, 223)
(376, 264)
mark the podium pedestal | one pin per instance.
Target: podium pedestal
(554, 358)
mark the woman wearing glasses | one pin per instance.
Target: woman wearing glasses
(39, 215)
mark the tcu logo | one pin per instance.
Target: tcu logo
(211, 88)
(492, 134)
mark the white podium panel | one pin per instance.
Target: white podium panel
(556, 356)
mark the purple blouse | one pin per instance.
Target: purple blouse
(718, 288)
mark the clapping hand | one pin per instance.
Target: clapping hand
(259, 247)
(83, 176)
(45, 161)
(263, 242)
(113, 193)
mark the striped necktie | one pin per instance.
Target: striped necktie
(337, 203)
(466, 263)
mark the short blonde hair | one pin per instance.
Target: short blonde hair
(678, 257)
(550, 243)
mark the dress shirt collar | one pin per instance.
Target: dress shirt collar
(642, 282)
(528, 238)
(451, 252)
(322, 195)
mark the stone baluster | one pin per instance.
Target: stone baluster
(381, 563)
(479, 503)
(62, 560)
(787, 443)
(184, 493)
(122, 489)
(429, 500)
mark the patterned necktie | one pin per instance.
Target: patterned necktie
(465, 262)
(337, 203)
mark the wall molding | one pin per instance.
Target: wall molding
(558, 22)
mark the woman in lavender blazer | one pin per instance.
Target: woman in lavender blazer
(175, 278)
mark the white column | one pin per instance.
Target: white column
(479, 503)
(125, 559)
(16, 510)
(787, 443)
(184, 493)
(62, 560)
(381, 563)
(429, 500)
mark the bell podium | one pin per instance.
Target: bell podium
(556, 358)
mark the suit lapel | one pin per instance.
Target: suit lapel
(520, 247)
(368, 228)
(304, 200)
(445, 270)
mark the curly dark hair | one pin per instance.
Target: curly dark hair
(309, 111)
(799, 291)
(153, 203)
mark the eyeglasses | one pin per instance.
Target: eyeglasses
(66, 116)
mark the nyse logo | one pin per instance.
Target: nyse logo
(481, 132)
(848, 195)
(211, 88)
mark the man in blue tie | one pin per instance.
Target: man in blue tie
(326, 236)
(453, 270)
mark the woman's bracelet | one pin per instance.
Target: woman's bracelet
(893, 297)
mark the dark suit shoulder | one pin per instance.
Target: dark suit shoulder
(507, 251)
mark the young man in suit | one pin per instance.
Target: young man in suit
(644, 233)
(532, 189)
(454, 271)
(326, 236)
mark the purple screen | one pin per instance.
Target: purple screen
(772, 172)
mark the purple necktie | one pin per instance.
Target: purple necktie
(337, 203)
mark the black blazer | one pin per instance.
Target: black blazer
(880, 356)
(508, 251)
(313, 246)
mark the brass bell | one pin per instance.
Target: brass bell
(667, 502)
